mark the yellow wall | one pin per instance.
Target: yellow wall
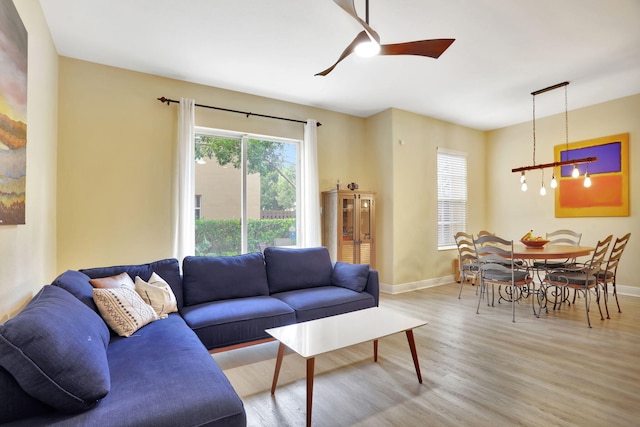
(416, 261)
(378, 157)
(116, 157)
(511, 212)
(28, 252)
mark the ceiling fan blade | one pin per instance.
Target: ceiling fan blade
(362, 36)
(431, 48)
(349, 7)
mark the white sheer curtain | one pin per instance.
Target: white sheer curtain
(311, 192)
(184, 239)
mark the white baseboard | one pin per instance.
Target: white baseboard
(629, 290)
(414, 286)
(385, 288)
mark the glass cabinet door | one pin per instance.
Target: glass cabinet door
(365, 220)
(349, 236)
(365, 232)
(347, 219)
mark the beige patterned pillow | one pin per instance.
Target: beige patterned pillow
(123, 309)
(158, 294)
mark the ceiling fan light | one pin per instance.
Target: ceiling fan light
(367, 49)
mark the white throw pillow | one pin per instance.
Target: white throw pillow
(158, 294)
(123, 309)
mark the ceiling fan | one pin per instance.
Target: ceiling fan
(367, 42)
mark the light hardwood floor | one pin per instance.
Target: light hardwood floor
(478, 370)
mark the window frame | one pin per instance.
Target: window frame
(244, 137)
(456, 196)
(198, 206)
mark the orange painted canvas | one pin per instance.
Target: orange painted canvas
(13, 115)
(609, 192)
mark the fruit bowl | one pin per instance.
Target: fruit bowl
(537, 243)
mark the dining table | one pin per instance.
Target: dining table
(548, 252)
(520, 251)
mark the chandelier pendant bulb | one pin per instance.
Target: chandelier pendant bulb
(575, 172)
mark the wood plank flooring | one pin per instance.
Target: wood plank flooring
(478, 370)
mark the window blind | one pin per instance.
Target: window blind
(452, 195)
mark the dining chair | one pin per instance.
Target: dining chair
(607, 275)
(560, 237)
(581, 277)
(498, 267)
(483, 233)
(467, 262)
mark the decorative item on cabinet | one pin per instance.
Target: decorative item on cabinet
(348, 226)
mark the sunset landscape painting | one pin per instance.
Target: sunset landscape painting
(13, 115)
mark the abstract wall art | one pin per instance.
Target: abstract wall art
(13, 115)
(609, 191)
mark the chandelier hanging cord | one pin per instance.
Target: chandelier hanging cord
(566, 121)
(534, 130)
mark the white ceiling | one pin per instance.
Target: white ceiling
(504, 50)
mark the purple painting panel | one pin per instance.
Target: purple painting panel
(609, 159)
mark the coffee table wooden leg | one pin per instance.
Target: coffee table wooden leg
(414, 353)
(277, 371)
(375, 350)
(310, 374)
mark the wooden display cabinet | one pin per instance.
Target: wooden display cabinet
(348, 226)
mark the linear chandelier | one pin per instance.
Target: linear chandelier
(575, 162)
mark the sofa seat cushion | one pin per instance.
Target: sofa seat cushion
(162, 377)
(237, 321)
(168, 269)
(56, 349)
(209, 279)
(291, 269)
(325, 301)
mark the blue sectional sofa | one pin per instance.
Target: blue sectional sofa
(60, 364)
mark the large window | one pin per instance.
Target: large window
(452, 196)
(248, 187)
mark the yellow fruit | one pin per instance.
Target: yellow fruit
(527, 236)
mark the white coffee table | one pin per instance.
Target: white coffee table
(315, 337)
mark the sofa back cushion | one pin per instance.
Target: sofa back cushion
(56, 349)
(219, 278)
(168, 269)
(291, 269)
(77, 284)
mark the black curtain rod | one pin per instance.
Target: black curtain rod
(169, 101)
